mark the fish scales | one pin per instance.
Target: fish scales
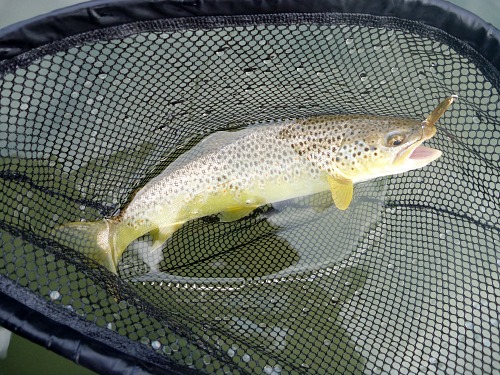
(251, 164)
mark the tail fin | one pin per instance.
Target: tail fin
(93, 239)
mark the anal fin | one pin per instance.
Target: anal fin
(153, 255)
(342, 190)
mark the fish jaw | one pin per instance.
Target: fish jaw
(414, 157)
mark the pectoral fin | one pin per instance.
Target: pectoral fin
(236, 214)
(342, 191)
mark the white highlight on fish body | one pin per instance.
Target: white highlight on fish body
(232, 173)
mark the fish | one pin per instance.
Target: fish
(231, 173)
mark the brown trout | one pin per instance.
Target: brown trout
(235, 172)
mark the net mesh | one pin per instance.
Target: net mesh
(405, 281)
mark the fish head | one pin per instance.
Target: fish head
(379, 146)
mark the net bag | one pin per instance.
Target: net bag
(98, 99)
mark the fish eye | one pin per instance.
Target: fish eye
(395, 139)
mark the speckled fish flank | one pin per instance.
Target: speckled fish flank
(232, 173)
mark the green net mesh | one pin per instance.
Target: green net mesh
(405, 281)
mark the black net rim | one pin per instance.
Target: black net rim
(34, 324)
(98, 14)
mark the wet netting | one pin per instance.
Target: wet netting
(97, 100)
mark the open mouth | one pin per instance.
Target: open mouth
(425, 153)
(416, 156)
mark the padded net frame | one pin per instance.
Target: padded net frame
(405, 281)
